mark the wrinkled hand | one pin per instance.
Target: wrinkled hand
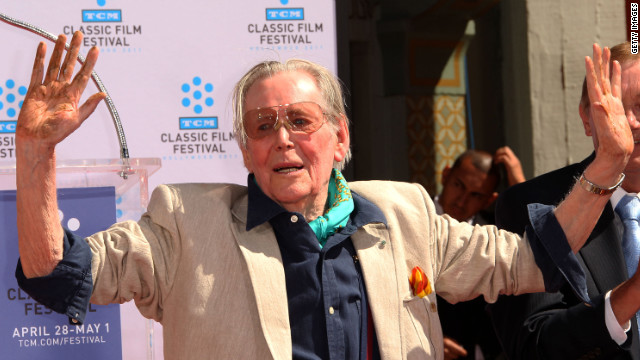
(453, 350)
(50, 109)
(505, 156)
(614, 138)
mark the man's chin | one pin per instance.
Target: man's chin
(458, 217)
(635, 154)
(634, 161)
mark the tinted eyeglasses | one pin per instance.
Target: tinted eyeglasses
(302, 117)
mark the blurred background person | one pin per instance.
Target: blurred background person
(469, 187)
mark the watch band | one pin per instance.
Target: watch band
(598, 190)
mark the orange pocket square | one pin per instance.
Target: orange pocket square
(419, 282)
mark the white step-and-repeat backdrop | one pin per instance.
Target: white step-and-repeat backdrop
(169, 67)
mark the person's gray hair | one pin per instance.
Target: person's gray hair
(328, 84)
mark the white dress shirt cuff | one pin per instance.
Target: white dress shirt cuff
(617, 332)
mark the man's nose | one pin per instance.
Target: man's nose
(462, 199)
(283, 137)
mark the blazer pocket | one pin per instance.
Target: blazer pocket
(423, 315)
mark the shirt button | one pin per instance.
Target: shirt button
(294, 218)
(331, 311)
(434, 308)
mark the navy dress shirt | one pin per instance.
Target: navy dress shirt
(325, 288)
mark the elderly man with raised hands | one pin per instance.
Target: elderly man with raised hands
(299, 263)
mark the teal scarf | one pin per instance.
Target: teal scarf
(340, 206)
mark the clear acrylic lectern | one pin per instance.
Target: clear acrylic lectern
(132, 196)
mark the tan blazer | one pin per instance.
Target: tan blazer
(219, 291)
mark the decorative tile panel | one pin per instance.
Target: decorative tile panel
(437, 133)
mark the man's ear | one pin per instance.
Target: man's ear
(585, 115)
(491, 199)
(343, 140)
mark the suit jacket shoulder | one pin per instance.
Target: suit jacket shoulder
(548, 189)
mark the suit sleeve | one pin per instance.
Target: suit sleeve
(547, 325)
(68, 288)
(128, 261)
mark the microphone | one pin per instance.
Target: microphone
(124, 150)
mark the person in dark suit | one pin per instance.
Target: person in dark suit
(558, 325)
(469, 188)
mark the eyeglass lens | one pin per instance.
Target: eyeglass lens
(305, 117)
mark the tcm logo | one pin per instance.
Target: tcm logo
(197, 95)
(285, 14)
(11, 99)
(101, 15)
(8, 127)
(196, 123)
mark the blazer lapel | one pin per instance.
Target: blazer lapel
(264, 262)
(375, 252)
(604, 258)
(602, 254)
